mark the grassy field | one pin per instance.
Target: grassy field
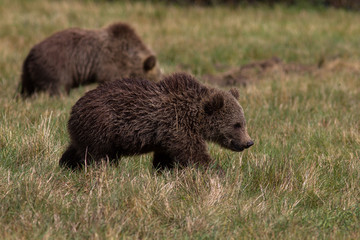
(300, 180)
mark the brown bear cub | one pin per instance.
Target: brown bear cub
(172, 118)
(77, 56)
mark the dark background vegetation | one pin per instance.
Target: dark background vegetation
(346, 4)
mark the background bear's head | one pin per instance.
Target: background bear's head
(226, 121)
(130, 53)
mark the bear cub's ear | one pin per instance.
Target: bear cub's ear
(215, 103)
(149, 63)
(234, 92)
(119, 29)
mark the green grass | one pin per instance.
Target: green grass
(300, 180)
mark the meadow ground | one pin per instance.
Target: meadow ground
(300, 180)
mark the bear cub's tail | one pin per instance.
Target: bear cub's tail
(70, 159)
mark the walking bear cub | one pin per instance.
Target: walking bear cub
(77, 56)
(172, 118)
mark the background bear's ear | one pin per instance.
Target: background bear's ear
(234, 92)
(215, 103)
(149, 63)
(120, 29)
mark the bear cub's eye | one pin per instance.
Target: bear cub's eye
(237, 125)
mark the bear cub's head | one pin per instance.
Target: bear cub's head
(226, 121)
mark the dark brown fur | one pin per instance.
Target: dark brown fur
(77, 56)
(172, 118)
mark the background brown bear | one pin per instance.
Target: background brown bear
(77, 56)
(172, 118)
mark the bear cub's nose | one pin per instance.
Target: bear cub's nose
(249, 144)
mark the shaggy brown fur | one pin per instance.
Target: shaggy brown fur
(77, 56)
(172, 118)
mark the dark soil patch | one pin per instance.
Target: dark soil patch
(255, 71)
